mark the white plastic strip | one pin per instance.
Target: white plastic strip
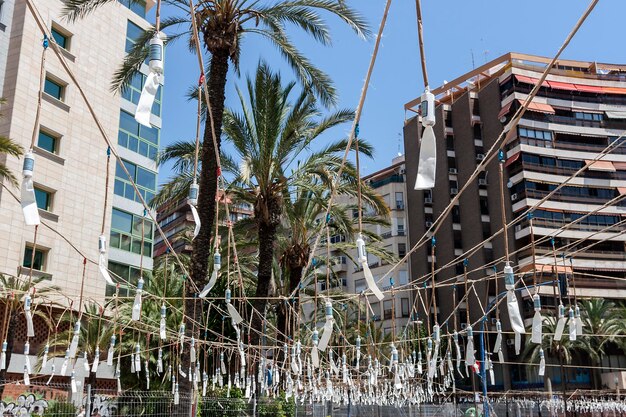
(196, 219)
(29, 203)
(427, 163)
(148, 93)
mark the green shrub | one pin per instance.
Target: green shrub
(60, 409)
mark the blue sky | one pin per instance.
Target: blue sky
(458, 34)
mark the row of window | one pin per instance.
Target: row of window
(560, 216)
(143, 178)
(126, 232)
(387, 312)
(534, 133)
(551, 162)
(137, 137)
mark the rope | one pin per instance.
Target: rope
(420, 36)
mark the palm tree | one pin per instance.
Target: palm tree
(564, 350)
(13, 289)
(269, 136)
(8, 147)
(222, 25)
(601, 325)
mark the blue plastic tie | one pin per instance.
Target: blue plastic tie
(433, 241)
(356, 131)
(530, 215)
(501, 155)
(46, 42)
(108, 151)
(465, 262)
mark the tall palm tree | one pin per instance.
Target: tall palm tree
(8, 147)
(270, 135)
(222, 25)
(13, 291)
(601, 325)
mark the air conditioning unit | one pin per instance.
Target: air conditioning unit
(428, 200)
(403, 171)
(480, 156)
(452, 170)
(513, 196)
(510, 342)
(428, 224)
(454, 190)
(482, 181)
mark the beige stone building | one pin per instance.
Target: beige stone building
(70, 153)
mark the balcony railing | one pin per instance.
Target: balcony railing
(538, 194)
(558, 170)
(557, 224)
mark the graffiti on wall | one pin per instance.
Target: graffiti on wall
(23, 406)
(104, 406)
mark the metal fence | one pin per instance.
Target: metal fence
(59, 401)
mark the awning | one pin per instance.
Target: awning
(512, 159)
(620, 166)
(606, 166)
(613, 114)
(546, 268)
(613, 90)
(589, 88)
(541, 108)
(505, 110)
(621, 190)
(529, 80)
(562, 86)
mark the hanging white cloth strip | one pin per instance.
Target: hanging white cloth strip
(369, 278)
(136, 314)
(30, 329)
(427, 163)
(232, 311)
(513, 307)
(102, 260)
(537, 321)
(560, 325)
(315, 358)
(579, 321)
(572, 325)
(192, 200)
(542, 363)
(162, 328)
(44, 359)
(3, 356)
(28, 200)
(153, 80)
(74, 344)
(96, 361)
(328, 327)
(217, 264)
(111, 351)
(470, 358)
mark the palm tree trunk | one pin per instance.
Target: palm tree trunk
(206, 210)
(10, 343)
(267, 212)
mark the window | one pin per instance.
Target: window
(456, 214)
(133, 34)
(535, 134)
(145, 180)
(138, 138)
(48, 142)
(359, 285)
(60, 37)
(136, 6)
(404, 302)
(588, 116)
(54, 89)
(376, 309)
(484, 205)
(126, 232)
(123, 274)
(403, 277)
(399, 200)
(400, 227)
(38, 263)
(43, 198)
(449, 142)
(387, 309)
(401, 250)
(132, 92)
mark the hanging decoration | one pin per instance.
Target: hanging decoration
(102, 260)
(217, 264)
(560, 325)
(328, 327)
(512, 307)
(427, 163)
(369, 278)
(28, 201)
(30, 329)
(136, 314)
(232, 311)
(537, 321)
(153, 80)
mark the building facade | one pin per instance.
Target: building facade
(70, 154)
(390, 184)
(578, 112)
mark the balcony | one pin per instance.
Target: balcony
(569, 96)
(538, 194)
(557, 224)
(572, 121)
(397, 178)
(557, 170)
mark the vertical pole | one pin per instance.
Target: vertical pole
(483, 367)
(88, 401)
